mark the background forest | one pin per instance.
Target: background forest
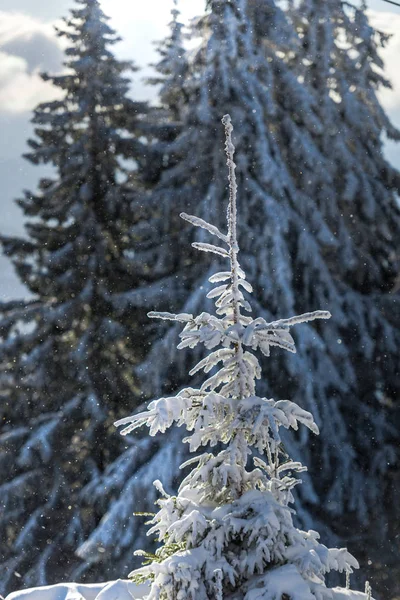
(103, 244)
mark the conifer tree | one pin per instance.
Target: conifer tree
(229, 532)
(172, 67)
(126, 487)
(67, 355)
(339, 60)
(164, 121)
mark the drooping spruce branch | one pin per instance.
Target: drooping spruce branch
(230, 530)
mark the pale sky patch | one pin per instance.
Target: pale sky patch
(27, 47)
(21, 25)
(21, 90)
(389, 22)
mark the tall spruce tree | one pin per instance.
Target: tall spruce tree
(67, 355)
(126, 486)
(339, 61)
(293, 220)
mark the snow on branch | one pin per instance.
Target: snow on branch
(304, 318)
(166, 316)
(197, 222)
(210, 248)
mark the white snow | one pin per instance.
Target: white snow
(127, 590)
(111, 590)
(342, 594)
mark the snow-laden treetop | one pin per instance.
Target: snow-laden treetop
(229, 532)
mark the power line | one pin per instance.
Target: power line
(392, 2)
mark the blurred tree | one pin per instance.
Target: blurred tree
(339, 61)
(172, 69)
(126, 487)
(67, 355)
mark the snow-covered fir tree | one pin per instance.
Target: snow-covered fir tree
(229, 531)
(293, 222)
(67, 354)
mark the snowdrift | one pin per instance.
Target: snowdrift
(111, 590)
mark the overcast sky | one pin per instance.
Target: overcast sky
(28, 46)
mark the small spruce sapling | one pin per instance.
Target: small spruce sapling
(229, 532)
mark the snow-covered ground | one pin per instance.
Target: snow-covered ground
(112, 590)
(342, 594)
(120, 590)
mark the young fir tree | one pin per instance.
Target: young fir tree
(229, 531)
(67, 355)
